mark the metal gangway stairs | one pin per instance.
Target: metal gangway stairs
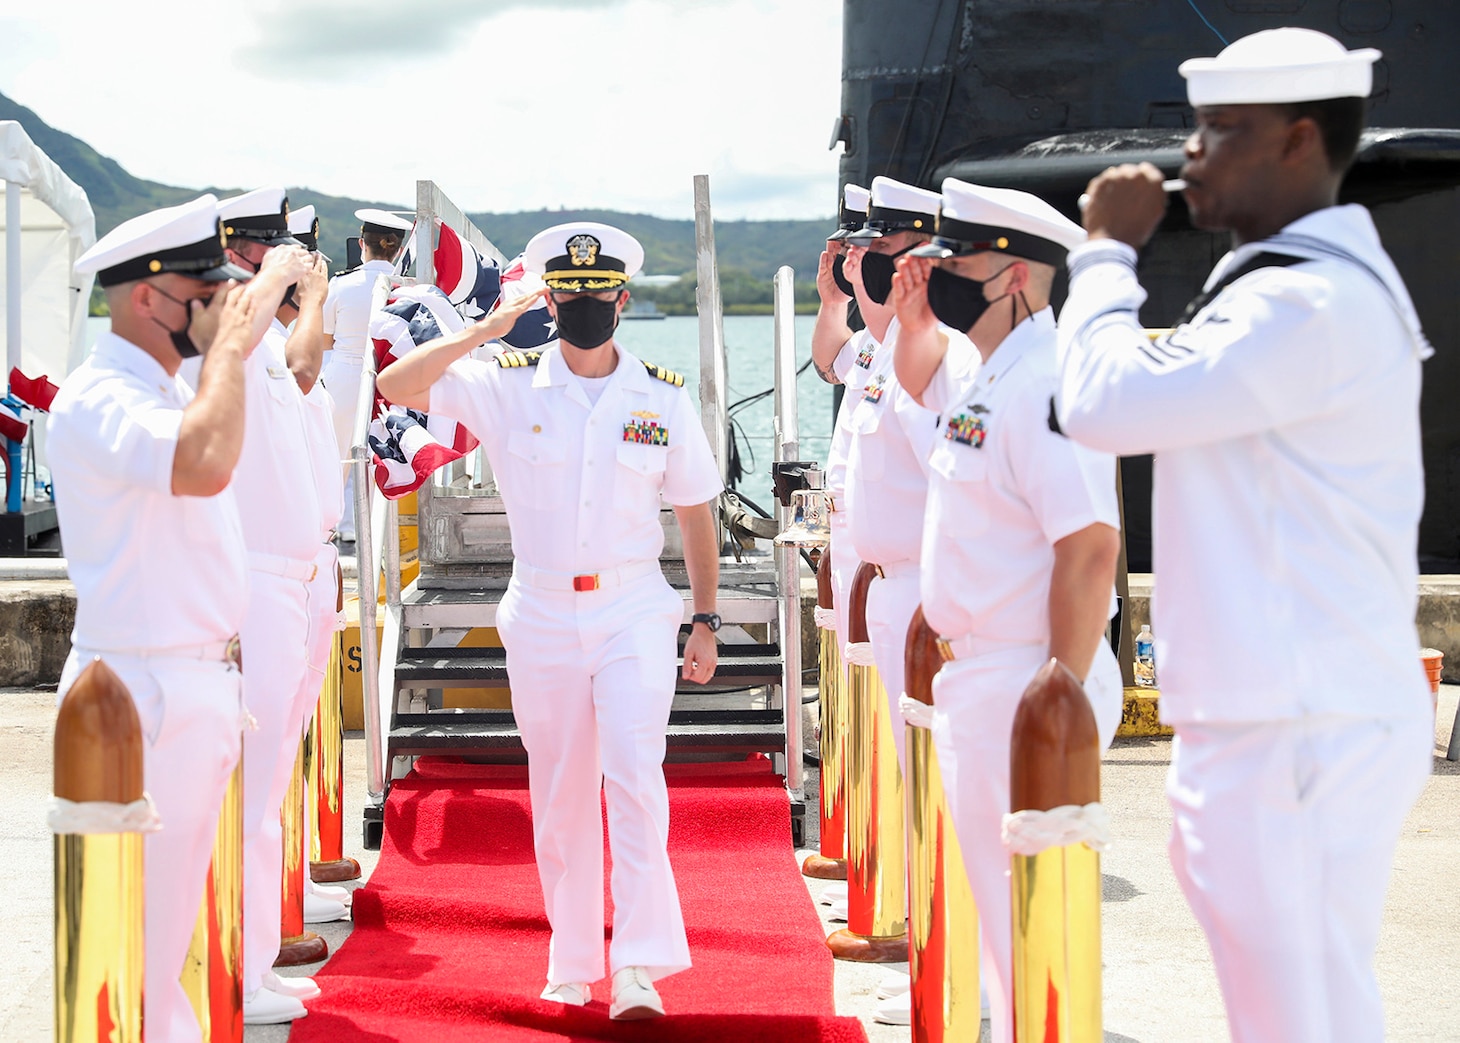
(437, 638)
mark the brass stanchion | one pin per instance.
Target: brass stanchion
(831, 862)
(327, 861)
(876, 930)
(298, 944)
(1054, 766)
(98, 821)
(213, 972)
(943, 949)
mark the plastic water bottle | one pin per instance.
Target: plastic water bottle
(1145, 665)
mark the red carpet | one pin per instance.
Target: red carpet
(450, 940)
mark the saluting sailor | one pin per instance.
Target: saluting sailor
(585, 441)
(1283, 413)
(1023, 529)
(153, 539)
(887, 462)
(278, 498)
(347, 323)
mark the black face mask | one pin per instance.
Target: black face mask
(585, 321)
(877, 272)
(839, 276)
(957, 302)
(182, 343)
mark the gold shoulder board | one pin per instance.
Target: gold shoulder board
(666, 375)
(518, 359)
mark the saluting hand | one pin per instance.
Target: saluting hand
(291, 262)
(826, 286)
(314, 284)
(231, 320)
(1126, 204)
(700, 655)
(505, 317)
(910, 294)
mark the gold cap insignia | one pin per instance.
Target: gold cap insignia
(583, 250)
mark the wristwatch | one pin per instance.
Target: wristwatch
(709, 619)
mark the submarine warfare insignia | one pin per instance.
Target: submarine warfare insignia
(967, 428)
(583, 250)
(873, 391)
(517, 359)
(646, 432)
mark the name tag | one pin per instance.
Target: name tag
(279, 372)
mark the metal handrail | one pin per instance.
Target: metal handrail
(788, 559)
(366, 569)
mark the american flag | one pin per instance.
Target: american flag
(409, 445)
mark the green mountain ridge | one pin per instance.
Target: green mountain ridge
(757, 248)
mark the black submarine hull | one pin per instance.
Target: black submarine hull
(1041, 95)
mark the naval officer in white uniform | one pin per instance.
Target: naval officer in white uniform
(1283, 411)
(278, 499)
(887, 461)
(1023, 529)
(153, 540)
(585, 441)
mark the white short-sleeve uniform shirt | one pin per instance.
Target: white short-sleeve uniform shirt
(887, 464)
(852, 366)
(152, 570)
(347, 306)
(1003, 489)
(582, 481)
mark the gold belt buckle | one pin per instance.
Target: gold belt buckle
(233, 653)
(945, 650)
(583, 583)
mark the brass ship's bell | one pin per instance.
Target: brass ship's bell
(810, 516)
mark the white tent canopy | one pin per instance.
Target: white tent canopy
(57, 227)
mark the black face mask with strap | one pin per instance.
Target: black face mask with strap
(877, 272)
(585, 321)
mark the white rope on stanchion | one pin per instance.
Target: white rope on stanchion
(93, 817)
(825, 618)
(1030, 832)
(914, 713)
(858, 653)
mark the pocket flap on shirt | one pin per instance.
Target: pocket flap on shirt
(645, 459)
(537, 447)
(958, 463)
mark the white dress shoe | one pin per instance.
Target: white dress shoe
(634, 995)
(833, 893)
(838, 910)
(343, 895)
(267, 1007)
(572, 993)
(323, 910)
(300, 988)
(893, 983)
(895, 1010)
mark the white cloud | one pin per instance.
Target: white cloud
(508, 104)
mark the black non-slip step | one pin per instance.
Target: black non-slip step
(460, 737)
(738, 665)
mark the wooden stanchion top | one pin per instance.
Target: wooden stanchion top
(823, 580)
(857, 603)
(98, 746)
(1054, 748)
(921, 660)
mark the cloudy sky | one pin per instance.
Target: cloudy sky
(507, 104)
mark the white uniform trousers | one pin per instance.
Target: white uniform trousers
(891, 602)
(275, 661)
(191, 718)
(974, 704)
(844, 565)
(592, 678)
(1283, 838)
(341, 374)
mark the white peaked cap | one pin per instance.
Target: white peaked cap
(185, 239)
(897, 207)
(978, 219)
(262, 214)
(583, 257)
(855, 197)
(855, 200)
(1277, 66)
(385, 219)
(302, 220)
